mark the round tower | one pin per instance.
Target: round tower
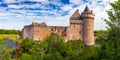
(88, 27)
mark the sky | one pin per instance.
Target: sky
(15, 14)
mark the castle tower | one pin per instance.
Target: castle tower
(75, 16)
(74, 30)
(88, 27)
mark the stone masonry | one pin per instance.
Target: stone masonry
(81, 28)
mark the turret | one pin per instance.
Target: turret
(88, 27)
(75, 18)
(75, 29)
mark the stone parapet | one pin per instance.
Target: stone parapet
(76, 21)
(88, 15)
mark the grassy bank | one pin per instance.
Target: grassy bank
(4, 36)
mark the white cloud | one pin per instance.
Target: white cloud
(15, 6)
(58, 21)
(67, 7)
(75, 1)
(9, 1)
(100, 15)
(113, 0)
(104, 1)
(81, 8)
(12, 25)
(40, 0)
(26, 18)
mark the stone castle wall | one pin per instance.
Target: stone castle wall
(38, 32)
(41, 33)
(28, 31)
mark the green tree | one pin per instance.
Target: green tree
(113, 20)
(38, 50)
(27, 44)
(2, 31)
(5, 53)
(100, 36)
(56, 47)
(110, 48)
(73, 49)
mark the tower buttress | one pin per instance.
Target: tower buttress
(88, 27)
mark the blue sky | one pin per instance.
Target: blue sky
(14, 14)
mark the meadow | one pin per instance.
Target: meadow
(4, 36)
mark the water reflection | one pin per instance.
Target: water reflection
(9, 43)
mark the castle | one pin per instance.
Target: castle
(81, 28)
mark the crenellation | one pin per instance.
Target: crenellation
(76, 21)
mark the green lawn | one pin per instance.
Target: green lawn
(3, 36)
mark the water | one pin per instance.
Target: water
(9, 43)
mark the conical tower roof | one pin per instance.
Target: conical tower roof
(86, 9)
(76, 15)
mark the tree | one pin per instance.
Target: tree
(110, 48)
(2, 31)
(113, 20)
(100, 35)
(5, 53)
(27, 44)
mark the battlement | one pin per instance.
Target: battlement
(76, 21)
(39, 24)
(88, 15)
